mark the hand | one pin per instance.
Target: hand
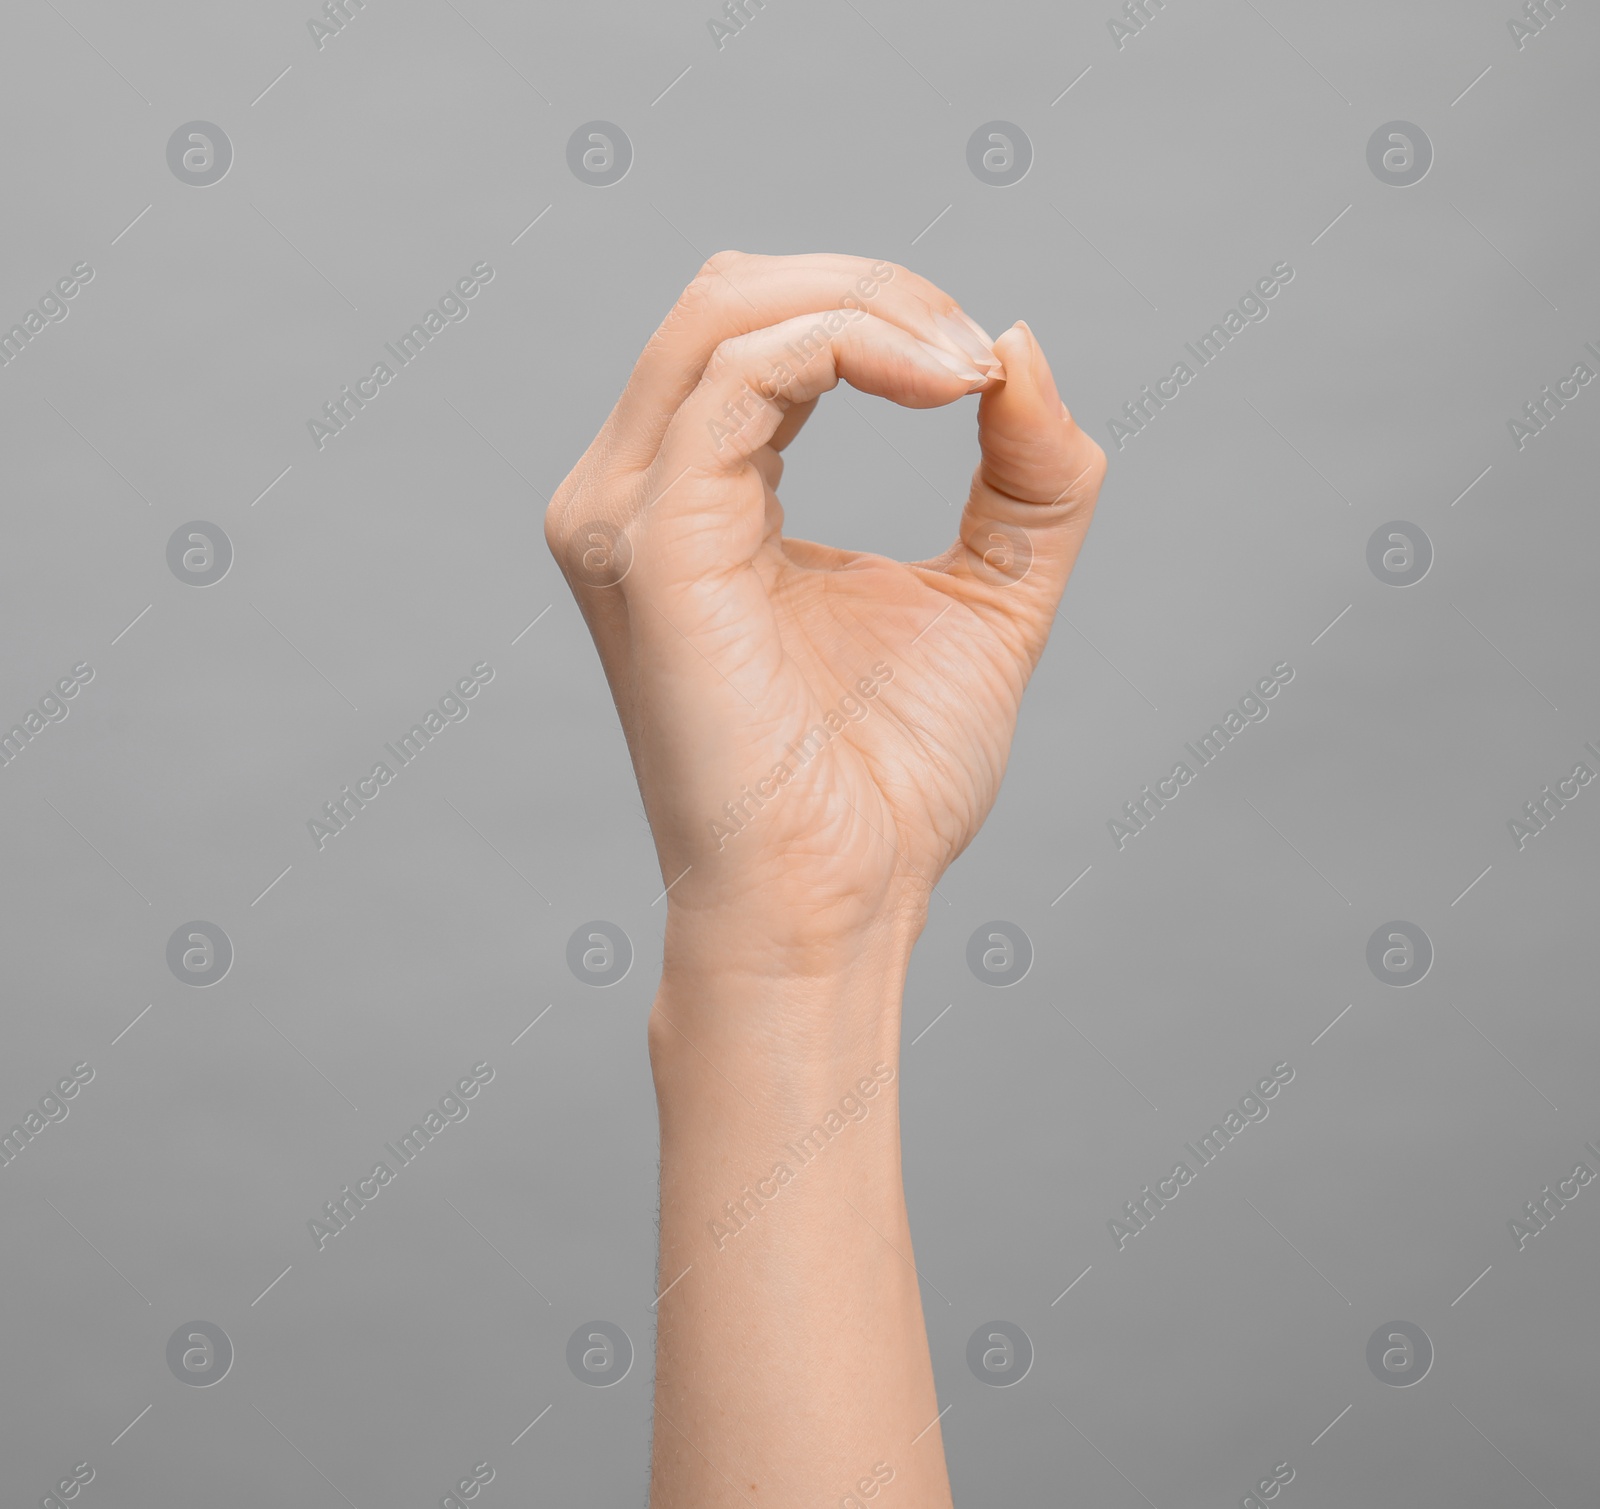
(817, 733)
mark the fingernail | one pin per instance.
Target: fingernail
(1023, 371)
(964, 370)
(988, 342)
(1038, 367)
(977, 329)
(971, 340)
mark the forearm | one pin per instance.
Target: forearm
(818, 733)
(792, 1364)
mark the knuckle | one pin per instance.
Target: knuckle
(557, 529)
(566, 509)
(1091, 472)
(1089, 460)
(559, 506)
(726, 355)
(718, 264)
(701, 299)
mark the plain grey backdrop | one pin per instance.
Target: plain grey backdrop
(1173, 164)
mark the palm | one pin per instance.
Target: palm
(817, 733)
(879, 807)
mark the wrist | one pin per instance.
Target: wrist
(791, 946)
(753, 1032)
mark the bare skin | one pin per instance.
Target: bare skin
(817, 735)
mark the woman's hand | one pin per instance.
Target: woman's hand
(817, 733)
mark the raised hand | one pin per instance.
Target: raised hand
(817, 733)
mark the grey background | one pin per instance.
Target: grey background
(1168, 176)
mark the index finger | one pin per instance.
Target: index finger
(737, 292)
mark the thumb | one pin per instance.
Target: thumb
(1032, 494)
